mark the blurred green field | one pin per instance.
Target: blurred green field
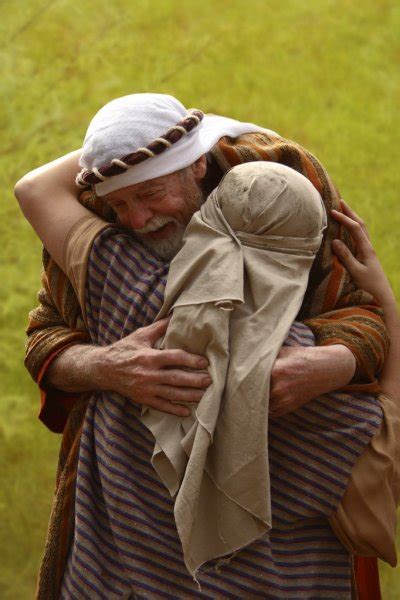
(322, 72)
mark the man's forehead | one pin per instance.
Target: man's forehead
(137, 188)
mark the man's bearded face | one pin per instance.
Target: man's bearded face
(157, 211)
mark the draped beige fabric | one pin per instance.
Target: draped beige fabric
(366, 519)
(234, 290)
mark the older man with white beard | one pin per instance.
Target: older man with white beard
(155, 235)
(156, 208)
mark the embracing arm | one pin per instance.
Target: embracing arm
(367, 272)
(131, 367)
(48, 197)
(345, 319)
(56, 324)
(339, 313)
(351, 338)
(299, 376)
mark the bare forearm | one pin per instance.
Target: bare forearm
(77, 369)
(51, 179)
(132, 368)
(301, 374)
(48, 197)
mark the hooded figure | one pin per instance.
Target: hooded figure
(234, 290)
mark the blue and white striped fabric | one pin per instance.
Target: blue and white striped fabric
(126, 544)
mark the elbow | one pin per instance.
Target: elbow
(24, 191)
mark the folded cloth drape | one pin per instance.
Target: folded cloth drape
(234, 289)
(366, 519)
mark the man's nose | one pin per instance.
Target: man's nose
(139, 216)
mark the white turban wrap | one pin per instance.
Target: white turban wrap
(131, 122)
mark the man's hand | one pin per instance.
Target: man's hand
(134, 369)
(302, 374)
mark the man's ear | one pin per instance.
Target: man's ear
(199, 168)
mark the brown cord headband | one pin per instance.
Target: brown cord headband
(159, 145)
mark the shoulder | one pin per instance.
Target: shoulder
(81, 236)
(117, 250)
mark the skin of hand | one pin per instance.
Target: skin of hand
(302, 374)
(364, 267)
(367, 272)
(136, 370)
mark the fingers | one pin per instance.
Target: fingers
(179, 358)
(168, 407)
(180, 378)
(280, 406)
(167, 358)
(349, 212)
(277, 412)
(357, 232)
(346, 257)
(179, 394)
(151, 333)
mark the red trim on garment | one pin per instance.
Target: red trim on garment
(55, 405)
(367, 578)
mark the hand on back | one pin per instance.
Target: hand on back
(301, 374)
(367, 272)
(364, 266)
(156, 378)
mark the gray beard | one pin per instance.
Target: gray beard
(168, 248)
(164, 249)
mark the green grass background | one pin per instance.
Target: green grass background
(322, 72)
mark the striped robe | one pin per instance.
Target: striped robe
(126, 544)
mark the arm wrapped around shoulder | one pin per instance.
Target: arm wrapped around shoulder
(56, 324)
(362, 330)
(360, 327)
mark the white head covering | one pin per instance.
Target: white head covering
(128, 123)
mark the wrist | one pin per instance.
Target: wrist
(340, 364)
(79, 368)
(348, 361)
(95, 369)
(389, 307)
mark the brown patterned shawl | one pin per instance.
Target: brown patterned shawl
(334, 310)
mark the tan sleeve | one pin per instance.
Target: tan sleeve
(366, 519)
(77, 246)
